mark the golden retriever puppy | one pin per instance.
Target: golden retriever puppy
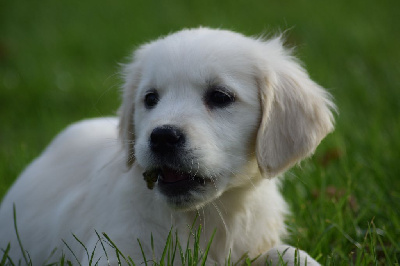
(210, 119)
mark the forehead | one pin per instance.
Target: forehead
(196, 57)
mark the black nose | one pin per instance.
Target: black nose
(166, 139)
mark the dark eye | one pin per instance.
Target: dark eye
(151, 99)
(219, 98)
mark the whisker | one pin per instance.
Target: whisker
(221, 216)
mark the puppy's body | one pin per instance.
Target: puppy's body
(84, 200)
(215, 115)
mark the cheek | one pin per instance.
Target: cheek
(238, 132)
(227, 142)
(141, 134)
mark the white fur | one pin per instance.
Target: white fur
(90, 176)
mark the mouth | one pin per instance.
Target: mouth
(173, 182)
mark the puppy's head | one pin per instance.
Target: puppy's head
(208, 110)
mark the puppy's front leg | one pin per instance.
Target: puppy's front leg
(285, 255)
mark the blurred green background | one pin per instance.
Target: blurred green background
(59, 64)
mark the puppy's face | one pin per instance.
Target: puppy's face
(205, 113)
(197, 112)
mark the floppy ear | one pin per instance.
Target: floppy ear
(131, 75)
(296, 113)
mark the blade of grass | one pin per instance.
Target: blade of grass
(102, 245)
(389, 262)
(167, 245)
(93, 252)
(18, 238)
(203, 263)
(118, 252)
(97, 262)
(243, 257)
(196, 248)
(372, 243)
(141, 249)
(131, 261)
(254, 259)
(5, 254)
(347, 236)
(80, 242)
(49, 257)
(171, 260)
(65, 243)
(152, 246)
(62, 260)
(227, 263)
(180, 249)
(281, 261)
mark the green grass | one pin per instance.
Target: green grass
(58, 64)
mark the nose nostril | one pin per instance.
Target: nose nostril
(165, 137)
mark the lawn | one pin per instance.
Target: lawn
(59, 64)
